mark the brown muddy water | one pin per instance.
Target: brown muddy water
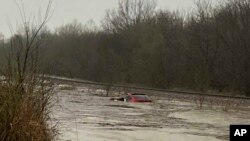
(84, 114)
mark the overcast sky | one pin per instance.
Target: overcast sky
(65, 11)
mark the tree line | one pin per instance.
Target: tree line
(207, 48)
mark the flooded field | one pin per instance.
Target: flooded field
(85, 114)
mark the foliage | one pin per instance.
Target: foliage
(206, 49)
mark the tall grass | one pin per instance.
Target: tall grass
(24, 112)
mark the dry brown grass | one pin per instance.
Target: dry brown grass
(24, 114)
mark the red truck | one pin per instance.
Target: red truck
(133, 97)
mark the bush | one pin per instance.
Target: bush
(24, 113)
(24, 96)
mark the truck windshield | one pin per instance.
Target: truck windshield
(141, 97)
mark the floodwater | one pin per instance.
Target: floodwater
(84, 114)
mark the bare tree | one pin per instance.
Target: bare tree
(129, 13)
(25, 99)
